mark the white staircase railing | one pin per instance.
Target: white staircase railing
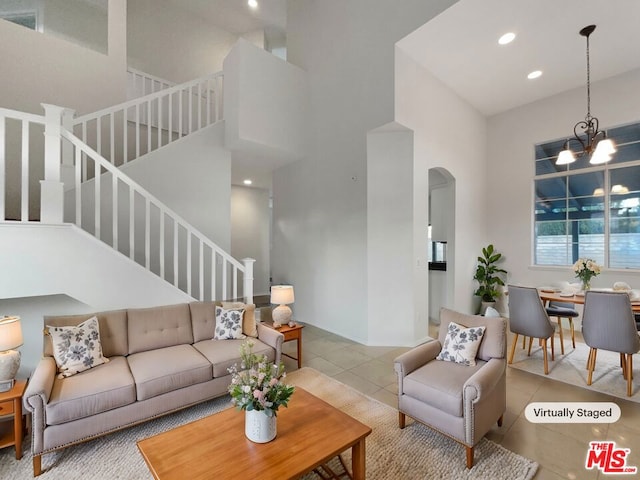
(21, 167)
(110, 206)
(140, 83)
(125, 132)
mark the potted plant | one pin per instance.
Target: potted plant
(488, 275)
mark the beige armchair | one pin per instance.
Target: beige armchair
(456, 400)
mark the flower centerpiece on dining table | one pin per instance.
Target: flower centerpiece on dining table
(586, 269)
(258, 388)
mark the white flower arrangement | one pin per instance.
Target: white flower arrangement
(586, 269)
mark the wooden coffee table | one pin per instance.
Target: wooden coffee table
(310, 433)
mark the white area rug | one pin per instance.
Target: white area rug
(572, 368)
(413, 453)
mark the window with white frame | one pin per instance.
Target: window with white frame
(582, 210)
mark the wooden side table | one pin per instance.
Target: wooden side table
(291, 333)
(11, 405)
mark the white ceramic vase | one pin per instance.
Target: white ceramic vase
(258, 427)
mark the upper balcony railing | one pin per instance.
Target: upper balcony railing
(127, 131)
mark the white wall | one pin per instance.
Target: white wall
(82, 22)
(82, 268)
(320, 202)
(450, 134)
(172, 43)
(265, 103)
(251, 231)
(511, 139)
(390, 255)
(192, 176)
(39, 68)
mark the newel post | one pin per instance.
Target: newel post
(247, 279)
(51, 188)
(68, 168)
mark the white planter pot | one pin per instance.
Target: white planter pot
(258, 427)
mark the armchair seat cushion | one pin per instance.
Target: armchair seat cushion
(440, 384)
(154, 375)
(93, 391)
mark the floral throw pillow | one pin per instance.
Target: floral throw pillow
(228, 324)
(461, 344)
(76, 349)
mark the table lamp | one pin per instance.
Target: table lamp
(281, 295)
(10, 338)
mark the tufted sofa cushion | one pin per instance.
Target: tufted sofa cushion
(159, 327)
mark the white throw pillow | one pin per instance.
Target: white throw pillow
(228, 324)
(461, 344)
(491, 312)
(249, 326)
(76, 349)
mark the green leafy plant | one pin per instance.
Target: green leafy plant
(258, 384)
(488, 275)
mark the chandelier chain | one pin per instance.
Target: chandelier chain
(588, 117)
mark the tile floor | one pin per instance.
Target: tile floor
(560, 449)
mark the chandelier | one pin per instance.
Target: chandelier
(594, 142)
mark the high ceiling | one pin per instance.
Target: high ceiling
(460, 47)
(236, 16)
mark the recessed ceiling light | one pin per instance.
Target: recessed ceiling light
(253, 3)
(534, 74)
(507, 38)
(247, 182)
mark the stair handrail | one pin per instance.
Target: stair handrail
(173, 112)
(134, 73)
(246, 267)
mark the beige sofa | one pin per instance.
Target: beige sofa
(161, 360)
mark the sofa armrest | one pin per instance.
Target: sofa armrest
(482, 382)
(416, 357)
(273, 338)
(35, 400)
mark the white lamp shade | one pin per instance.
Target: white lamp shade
(566, 156)
(10, 333)
(282, 294)
(606, 146)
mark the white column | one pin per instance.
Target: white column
(51, 188)
(248, 279)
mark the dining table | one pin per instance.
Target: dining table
(549, 295)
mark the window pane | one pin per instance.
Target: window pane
(551, 188)
(624, 214)
(580, 214)
(553, 246)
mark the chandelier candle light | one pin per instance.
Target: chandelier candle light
(281, 295)
(596, 144)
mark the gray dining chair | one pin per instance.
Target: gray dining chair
(528, 317)
(562, 310)
(608, 324)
